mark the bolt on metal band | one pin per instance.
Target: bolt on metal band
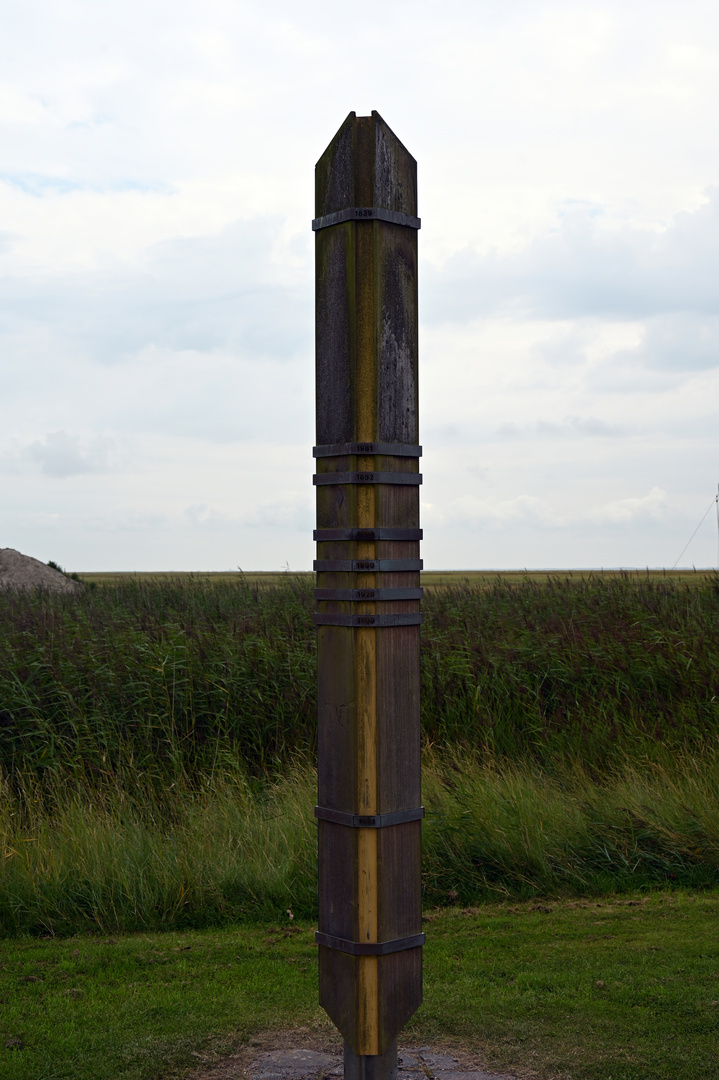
(379, 595)
(366, 213)
(369, 948)
(369, 821)
(404, 618)
(322, 535)
(372, 566)
(367, 478)
(390, 449)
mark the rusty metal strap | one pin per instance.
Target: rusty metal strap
(322, 535)
(367, 478)
(405, 618)
(369, 948)
(390, 449)
(369, 821)
(354, 596)
(370, 566)
(366, 213)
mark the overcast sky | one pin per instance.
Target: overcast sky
(156, 309)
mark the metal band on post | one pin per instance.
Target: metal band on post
(366, 213)
(388, 449)
(404, 618)
(369, 948)
(367, 566)
(369, 821)
(357, 596)
(366, 534)
(407, 478)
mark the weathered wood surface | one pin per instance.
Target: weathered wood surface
(368, 678)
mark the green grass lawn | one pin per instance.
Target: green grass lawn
(612, 989)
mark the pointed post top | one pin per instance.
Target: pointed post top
(366, 165)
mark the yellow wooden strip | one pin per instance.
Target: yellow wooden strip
(367, 966)
(365, 337)
(366, 420)
(367, 721)
(366, 548)
(368, 1001)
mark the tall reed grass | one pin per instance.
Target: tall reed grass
(238, 850)
(157, 741)
(155, 683)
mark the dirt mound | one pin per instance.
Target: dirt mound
(18, 571)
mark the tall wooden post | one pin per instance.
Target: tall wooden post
(370, 939)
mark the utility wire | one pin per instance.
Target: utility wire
(714, 500)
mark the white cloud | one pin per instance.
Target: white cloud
(200, 293)
(679, 342)
(289, 512)
(156, 263)
(470, 512)
(569, 427)
(652, 506)
(61, 454)
(588, 264)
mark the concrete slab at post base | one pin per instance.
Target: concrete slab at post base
(291, 1065)
(304, 1064)
(371, 1067)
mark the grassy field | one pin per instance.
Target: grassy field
(157, 885)
(241, 851)
(625, 988)
(157, 745)
(173, 680)
(429, 578)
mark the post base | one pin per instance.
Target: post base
(371, 1066)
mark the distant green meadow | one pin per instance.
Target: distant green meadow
(157, 745)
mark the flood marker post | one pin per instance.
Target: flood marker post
(368, 619)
